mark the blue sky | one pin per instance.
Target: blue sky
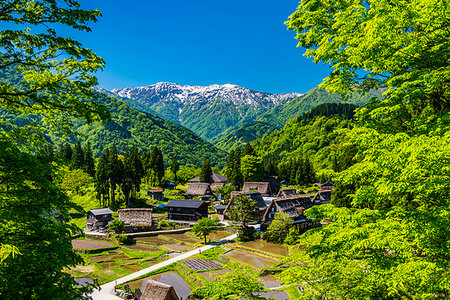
(200, 43)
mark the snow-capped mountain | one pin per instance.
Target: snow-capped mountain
(206, 110)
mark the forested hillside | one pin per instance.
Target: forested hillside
(129, 127)
(278, 116)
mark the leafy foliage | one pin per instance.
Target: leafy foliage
(205, 226)
(278, 229)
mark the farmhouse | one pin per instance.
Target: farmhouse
(98, 217)
(322, 197)
(187, 210)
(155, 290)
(261, 187)
(217, 180)
(326, 186)
(253, 196)
(137, 219)
(200, 189)
(286, 193)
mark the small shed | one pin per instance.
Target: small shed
(156, 194)
(187, 210)
(261, 187)
(155, 290)
(99, 217)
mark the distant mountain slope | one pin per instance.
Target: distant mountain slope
(277, 117)
(207, 110)
(130, 127)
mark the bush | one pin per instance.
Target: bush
(125, 239)
(117, 226)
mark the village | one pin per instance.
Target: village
(172, 228)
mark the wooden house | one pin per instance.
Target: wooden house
(274, 183)
(99, 217)
(322, 197)
(217, 180)
(293, 206)
(137, 219)
(187, 210)
(156, 194)
(155, 290)
(286, 193)
(252, 196)
(200, 189)
(326, 186)
(261, 187)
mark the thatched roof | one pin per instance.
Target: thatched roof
(322, 197)
(215, 178)
(285, 193)
(215, 185)
(199, 189)
(154, 290)
(261, 187)
(255, 196)
(293, 206)
(327, 185)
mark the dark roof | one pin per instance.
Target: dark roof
(215, 178)
(322, 196)
(255, 196)
(100, 211)
(185, 203)
(198, 189)
(293, 206)
(326, 183)
(287, 193)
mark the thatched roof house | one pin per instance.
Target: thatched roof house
(137, 218)
(293, 206)
(322, 197)
(326, 186)
(286, 193)
(254, 196)
(154, 290)
(199, 189)
(215, 178)
(261, 187)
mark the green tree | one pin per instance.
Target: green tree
(206, 172)
(114, 172)
(117, 226)
(400, 46)
(278, 229)
(102, 179)
(252, 168)
(89, 161)
(132, 175)
(175, 167)
(49, 76)
(77, 161)
(205, 226)
(243, 211)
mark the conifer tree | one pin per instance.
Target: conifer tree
(248, 150)
(65, 151)
(206, 172)
(77, 160)
(133, 174)
(175, 167)
(115, 170)
(89, 161)
(102, 179)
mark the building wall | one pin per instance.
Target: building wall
(136, 216)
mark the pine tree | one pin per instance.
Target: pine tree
(206, 172)
(77, 160)
(102, 180)
(175, 167)
(133, 174)
(66, 151)
(89, 161)
(248, 150)
(115, 170)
